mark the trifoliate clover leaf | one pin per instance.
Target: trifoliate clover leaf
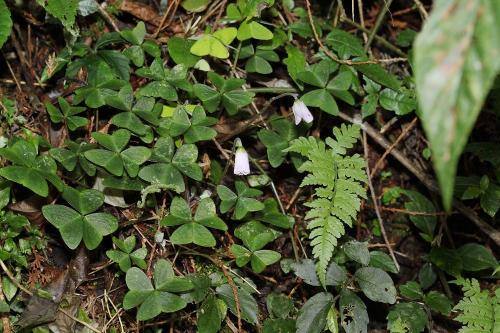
(194, 129)
(259, 259)
(125, 255)
(255, 235)
(72, 157)
(81, 221)
(243, 200)
(160, 298)
(114, 158)
(193, 229)
(214, 44)
(277, 139)
(28, 169)
(171, 165)
(225, 92)
(67, 114)
(164, 81)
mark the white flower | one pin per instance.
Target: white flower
(301, 112)
(241, 164)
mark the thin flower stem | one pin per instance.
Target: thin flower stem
(275, 192)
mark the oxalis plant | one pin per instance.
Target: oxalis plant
(167, 167)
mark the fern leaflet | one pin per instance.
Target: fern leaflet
(480, 312)
(338, 180)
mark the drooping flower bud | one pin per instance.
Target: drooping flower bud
(241, 164)
(301, 112)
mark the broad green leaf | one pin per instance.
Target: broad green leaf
(214, 45)
(412, 315)
(476, 257)
(376, 284)
(130, 121)
(259, 65)
(323, 99)
(383, 261)
(448, 260)
(438, 302)
(345, 44)
(255, 235)
(163, 271)
(241, 254)
(279, 305)
(136, 35)
(427, 276)
(208, 96)
(248, 306)
(357, 251)
(378, 74)
(306, 270)
(295, 63)
(263, 258)
(210, 316)
(398, 101)
(115, 142)
(353, 314)
(312, 315)
(456, 59)
(419, 203)
(5, 23)
(411, 290)
(110, 161)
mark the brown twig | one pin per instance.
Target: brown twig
(163, 19)
(107, 17)
(394, 145)
(376, 205)
(333, 56)
(410, 212)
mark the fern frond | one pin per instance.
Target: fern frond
(345, 138)
(480, 311)
(338, 181)
(303, 145)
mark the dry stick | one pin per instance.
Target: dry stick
(424, 179)
(421, 9)
(90, 327)
(375, 203)
(160, 27)
(378, 22)
(107, 17)
(173, 12)
(332, 56)
(362, 19)
(411, 212)
(394, 145)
